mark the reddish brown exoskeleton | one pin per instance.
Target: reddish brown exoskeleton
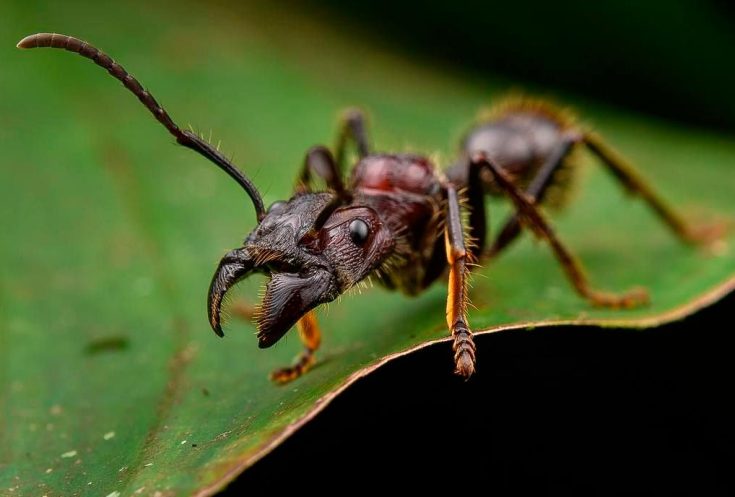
(398, 217)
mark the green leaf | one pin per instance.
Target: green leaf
(112, 381)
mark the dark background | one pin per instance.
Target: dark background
(566, 409)
(583, 410)
(672, 59)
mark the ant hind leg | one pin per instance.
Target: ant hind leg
(631, 180)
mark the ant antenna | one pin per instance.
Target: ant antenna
(183, 137)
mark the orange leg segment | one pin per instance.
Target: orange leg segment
(311, 337)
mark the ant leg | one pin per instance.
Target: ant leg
(462, 173)
(311, 337)
(636, 185)
(352, 127)
(457, 257)
(319, 162)
(536, 221)
(536, 191)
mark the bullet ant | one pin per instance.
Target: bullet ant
(388, 219)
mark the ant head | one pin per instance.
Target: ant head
(314, 248)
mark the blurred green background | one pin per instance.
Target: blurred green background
(109, 232)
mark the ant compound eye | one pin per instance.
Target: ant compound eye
(359, 231)
(277, 207)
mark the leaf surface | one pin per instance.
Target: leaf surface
(112, 380)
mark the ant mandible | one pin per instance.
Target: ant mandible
(388, 219)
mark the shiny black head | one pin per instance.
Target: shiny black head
(313, 248)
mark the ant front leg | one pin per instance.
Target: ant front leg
(352, 128)
(631, 180)
(309, 332)
(318, 162)
(457, 258)
(311, 337)
(536, 221)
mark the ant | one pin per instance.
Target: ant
(388, 219)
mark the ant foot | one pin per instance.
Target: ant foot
(635, 297)
(464, 351)
(286, 375)
(706, 234)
